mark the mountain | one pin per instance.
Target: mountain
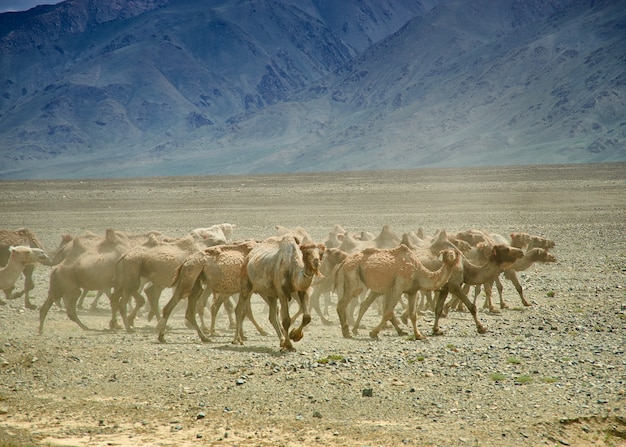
(95, 88)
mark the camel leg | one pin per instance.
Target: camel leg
(201, 308)
(390, 301)
(369, 300)
(218, 300)
(250, 317)
(297, 333)
(70, 308)
(342, 305)
(94, 303)
(229, 307)
(285, 344)
(190, 314)
(54, 295)
(315, 303)
(81, 298)
(511, 275)
(240, 309)
(458, 292)
(29, 285)
(439, 305)
(412, 311)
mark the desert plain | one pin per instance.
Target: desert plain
(550, 374)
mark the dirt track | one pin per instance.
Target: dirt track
(552, 374)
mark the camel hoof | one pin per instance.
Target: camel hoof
(494, 310)
(482, 330)
(374, 335)
(262, 333)
(296, 334)
(31, 306)
(402, 333)
(161, 338)
(437, 332)
(420, 337)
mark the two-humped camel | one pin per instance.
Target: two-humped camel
(389, 272)
(530, 257)
(277, 269)
(156, 260)
(20, 237)
(347, 244)
(430, 253)
(20, 257)
(518, 240)
(89, 264)
(219, 269)
(499, 258)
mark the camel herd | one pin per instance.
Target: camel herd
(290, 267)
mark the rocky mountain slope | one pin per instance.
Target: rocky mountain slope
(159, 87)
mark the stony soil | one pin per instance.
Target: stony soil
(552, 374)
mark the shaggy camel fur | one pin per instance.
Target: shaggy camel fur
(389, 272)
(275, 269)
(500, 258)
(21, 237)
(20, 257)
(90, 264)
(219, 268)
(156, 261)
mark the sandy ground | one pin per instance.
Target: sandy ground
(551, 374)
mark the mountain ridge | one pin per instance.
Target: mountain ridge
(453, 86)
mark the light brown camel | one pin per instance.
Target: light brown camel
(23, 237)
(530, 257)
(219, 269)
(156, 261)
(500, 257)
(276, 269)
(20, 256)
(89, 265)
(389, 272)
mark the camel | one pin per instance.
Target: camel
(219, 268)
(528, 241)
(325, 284)
(349, 244)
(215, 234)
(530, 257)
(20, 257)
(156, 260)
(390, 272)
(275, 269)
(428, 252)
(20, 237)
(499, 258)
(90, 264)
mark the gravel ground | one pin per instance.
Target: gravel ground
(551, 374)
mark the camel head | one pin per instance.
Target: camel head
(312, 255)
(28, 255)
(451, 257)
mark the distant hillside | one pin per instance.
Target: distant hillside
(171, 87)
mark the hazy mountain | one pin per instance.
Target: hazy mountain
(158, 87)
